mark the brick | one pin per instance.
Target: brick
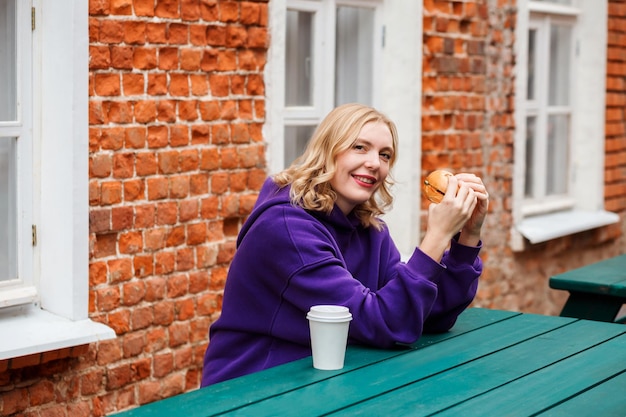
(131, 242)
(197, 35)
(175, 237)
(157, 84)
(141, 318)
(122, 57)
(133, 84)
(167, 8)
(135, 137)
(119, 321)
(107, 84)
(199, 184)
(158, 137)
(120, 270)
(154, 240)
(123, 165)
(179, 186)
(120, 112)
(111, 31)
(105, 245)
(134, 32)
(163, 364)
(164, 313)
(236, 36)
(179, 135)
(100, 166)
(144, 58)
(97, 273)
(111, 193)
(118, 376)
(144, 216)
(107, 299)
(189, 160)
(178, 34)
(179, 85)
(184, 258)
(178, 334)
(190, 10)
(99, 57)
(168, 58)
(143, 7)
(14, 401)
(143, 265)
(145, 111)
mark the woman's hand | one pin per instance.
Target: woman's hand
(463, 208)
(470, 233)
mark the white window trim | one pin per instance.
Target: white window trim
(399, 97)
(588, 129)
(61, 210)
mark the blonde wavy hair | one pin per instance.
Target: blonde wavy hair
(310, 174)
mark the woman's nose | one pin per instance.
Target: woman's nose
(372, 161)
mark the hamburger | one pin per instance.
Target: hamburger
(436, 184)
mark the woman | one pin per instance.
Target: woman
(315, 237)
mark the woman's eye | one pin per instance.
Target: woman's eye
(386, 156)
(359, 147)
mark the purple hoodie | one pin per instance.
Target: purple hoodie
(289, 259)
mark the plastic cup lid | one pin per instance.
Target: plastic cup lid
(329, 313)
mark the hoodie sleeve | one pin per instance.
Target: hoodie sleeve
(311, 270)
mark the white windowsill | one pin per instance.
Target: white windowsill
(28, 330)
(545, 227)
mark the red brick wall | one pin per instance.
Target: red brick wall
(615, 176)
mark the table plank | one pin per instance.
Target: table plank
(607, 277)
(369, 382)
(486, 372)
(558, 382)
(604, 400)
(230, 395)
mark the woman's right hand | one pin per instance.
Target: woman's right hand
(448, 217)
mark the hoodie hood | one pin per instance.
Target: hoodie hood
(271, 195)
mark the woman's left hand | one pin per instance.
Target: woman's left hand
(470, 233)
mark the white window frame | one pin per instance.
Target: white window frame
(398, 95)
(59, 317)
(583, 209)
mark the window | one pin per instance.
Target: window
(44, 178)
(332, 52)
(16, 275)
(329, 60)
(560, 120)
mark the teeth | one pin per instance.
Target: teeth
(364, 179)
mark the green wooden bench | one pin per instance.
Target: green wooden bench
(597, 291)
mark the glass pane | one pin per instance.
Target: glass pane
(8, 61)
(298, 59)
(354, 55)
(532, 70)
(560, 66)
(296, 139)
(558, 154)
(531, 134)
(8, 219)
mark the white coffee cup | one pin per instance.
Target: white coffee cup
(328, 325)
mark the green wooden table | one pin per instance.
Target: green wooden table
(597, 291)
(492, 363)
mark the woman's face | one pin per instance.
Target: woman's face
(362, 168)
